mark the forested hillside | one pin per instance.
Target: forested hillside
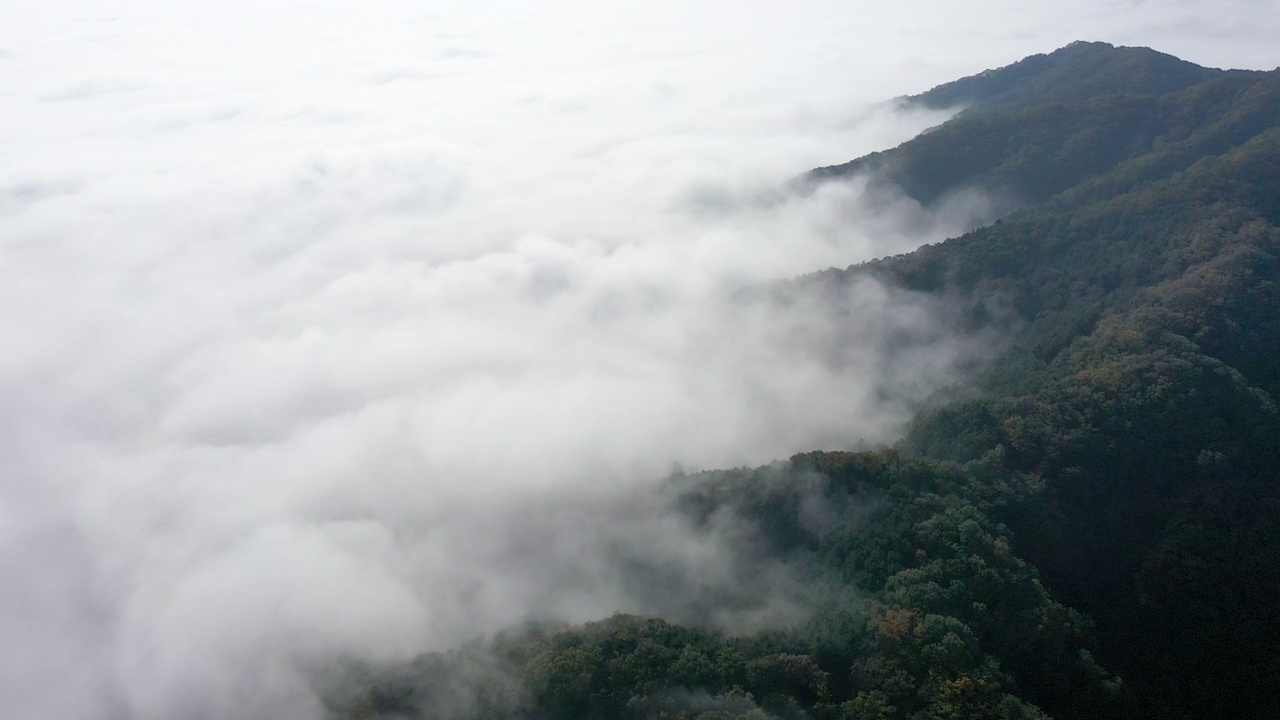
(1088, 528)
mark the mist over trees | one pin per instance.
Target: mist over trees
(1088, 527)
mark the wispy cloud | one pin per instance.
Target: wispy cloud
(338, 330)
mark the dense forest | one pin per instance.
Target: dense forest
(1089, 527)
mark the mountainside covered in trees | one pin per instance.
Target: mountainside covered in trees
(1091, 528)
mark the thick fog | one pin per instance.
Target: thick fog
(356, 329)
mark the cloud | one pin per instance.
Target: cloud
(95, 88)
(21, 194)
(354, 331)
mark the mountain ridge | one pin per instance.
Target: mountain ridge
(1079, 71)
(1089, 527)
(1045, 143)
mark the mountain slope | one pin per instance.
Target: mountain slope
(1076, 73)
(1138, 404)
(1089, 528)
(1059, 134)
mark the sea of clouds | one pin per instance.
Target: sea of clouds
(334, 329)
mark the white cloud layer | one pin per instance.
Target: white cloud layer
(313, 314)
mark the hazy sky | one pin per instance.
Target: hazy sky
(304, 304)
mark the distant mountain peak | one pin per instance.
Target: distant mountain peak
(1053, 121)
(1076, 72)
(1085, 44)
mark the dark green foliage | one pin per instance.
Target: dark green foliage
(950, 623)
(1135, 413)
